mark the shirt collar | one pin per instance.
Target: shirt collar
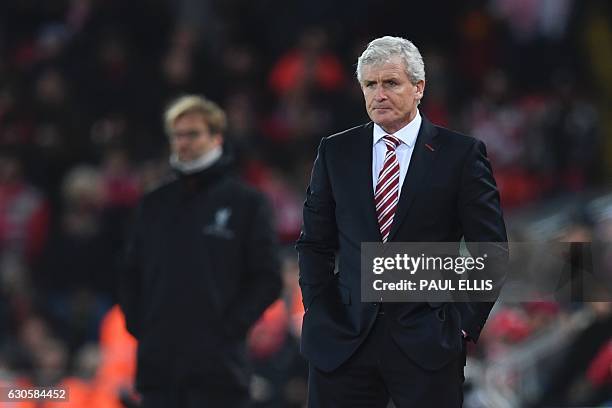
(407, 134)
(194, 166)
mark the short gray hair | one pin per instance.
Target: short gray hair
(382, 49)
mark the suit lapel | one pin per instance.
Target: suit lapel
(362, 157)
(424, 153)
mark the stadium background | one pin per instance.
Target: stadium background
(83, 84)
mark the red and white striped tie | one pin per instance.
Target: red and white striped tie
(387, 188)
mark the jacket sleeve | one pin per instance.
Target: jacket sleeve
(484, 230)
(318, 241)
(130, 276)
(261, 282)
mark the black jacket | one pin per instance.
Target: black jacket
(449, 193)
(200, 269)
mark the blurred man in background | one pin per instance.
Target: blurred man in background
(200, 270)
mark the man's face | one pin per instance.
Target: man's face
(190, 137)
(390, 98)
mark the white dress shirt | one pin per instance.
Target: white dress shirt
(408, 135)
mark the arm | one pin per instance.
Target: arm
(318, 241)
(261, 283)
(130, 277)
(482, 222)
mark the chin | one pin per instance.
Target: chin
(382, 118)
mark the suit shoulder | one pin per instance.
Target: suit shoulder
(240, 187)
(455, 139)
(346, 134)
(159, 189)
(244, 192)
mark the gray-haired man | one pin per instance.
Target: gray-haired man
(398, 178)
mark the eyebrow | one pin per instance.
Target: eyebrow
(389, 77)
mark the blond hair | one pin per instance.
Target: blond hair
(211, 112)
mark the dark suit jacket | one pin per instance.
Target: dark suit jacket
(448, 194)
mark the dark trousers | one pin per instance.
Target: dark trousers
(195, 398)
(379, 371)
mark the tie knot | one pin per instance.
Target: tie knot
(392, 142)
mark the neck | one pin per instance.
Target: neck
(196, 165)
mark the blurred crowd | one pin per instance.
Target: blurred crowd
(83, 84)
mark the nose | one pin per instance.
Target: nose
(380, 94)
(181, 143)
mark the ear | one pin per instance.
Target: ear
(420, 88)
(217, 139)
(362, 87)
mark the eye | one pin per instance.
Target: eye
(188, 134)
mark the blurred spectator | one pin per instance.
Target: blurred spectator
(309, 66)
(284, 198)
(76, 276)
(120, 183)
(24, 214)
(530, 18)
(571, 124)
(117, 367)
(280, 372)
(599, 372)
(568, 383)
(477, 53)
(76, 256)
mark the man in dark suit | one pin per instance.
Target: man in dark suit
(398, 178)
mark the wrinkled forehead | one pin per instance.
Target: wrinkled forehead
(393, 66)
